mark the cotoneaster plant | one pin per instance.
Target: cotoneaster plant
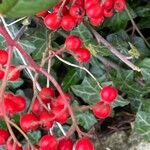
(51, 104)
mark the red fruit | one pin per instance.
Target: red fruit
(108, 94)
(42, 13)
(77, 11)
(46, 94)
(28, 122)
(1, 74)
(73, 42)
(4, 134)
(47, 119)
(36, 107)
(65, 144)
(61, 116)
(3, 57)
(84, 144)
(108, 4)
(78, 2)
(97, 21)
(83, 55)
(57, 7)
(8, 95)
(52, 21)
(94, 11)
(119, 5)
(89, 3)
(13, 76)
(101, 110)
(68, 23)
(48, 142)
(20, 102)
(108, 12)
(12, 146)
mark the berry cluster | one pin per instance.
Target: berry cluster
(102, 109)
(12, 76)
(74, 45)
(71, 13)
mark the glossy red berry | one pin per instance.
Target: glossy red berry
(68, 23)
(42, 13)
(48, 142)
(65, 144)
(119, 5)
(84, 144)
(12, 146)
(56, 9)
(61, 115)
(89, 3)
(77, 11)
(52, 21)
(94, 11)
(1, 74)
(108, 12)
(47, 119)
(101, 110)
(4, 134)
(108, 4)
(73, 42)
(46, 94)
(29, 122)
(13, 76)
(108, 94)
(83, 55)
(97, 21)
(36, 107)
(3, 57)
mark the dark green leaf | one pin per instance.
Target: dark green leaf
(34, 136)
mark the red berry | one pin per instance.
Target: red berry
(68, 23)
(28, 122)
(89, 3)
(94, 11)
(83, 55)
(61, 115)
(52, 21)
(36, 107)
(4, 134)
(108, 4)
(13, 76)
(47, 119)
(84, 144)
(12, 146)
(119, 5)
(20, 102)
(97, 21)
(65, 144)
(3, 57)
(42, 13)
(46, 94)
(73, 42)
(56, 9)
(101, 110)
(48, 142)
(108, 12)
(1, 74)
(108, 94)
(77, 11)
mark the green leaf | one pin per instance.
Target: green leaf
(69, 79)
(86, 120)
(120, 102)
(133, 51)
(3, 124)
(143, 11)
(88, 90)
(34, 136)
(142, 124)
(146, 74)
(145, 63)
(18, 8)
(15, 84)
(119, 20)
